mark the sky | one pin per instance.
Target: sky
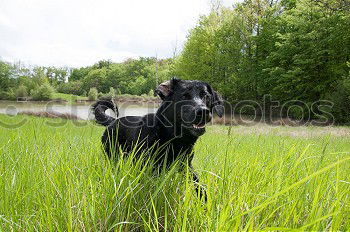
(77, 33)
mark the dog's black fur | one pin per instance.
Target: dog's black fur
(187, 106)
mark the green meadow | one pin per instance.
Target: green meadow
(55, 177)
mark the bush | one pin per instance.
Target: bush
(100, 95)
(72, 87)
(21, 91)
(341, 99)
(44, 92)
(7, 95)
(112, 92)
(110, 95)
(3, 95)
(10, 95)
(93, 94)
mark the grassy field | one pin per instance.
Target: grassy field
(68, 97)
(54, 177)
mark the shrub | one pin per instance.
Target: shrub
(7, 95)
(3, 95)
(93, 94)
(21, 91)
(10, 94)
(44, 92)
(341, 100)
(72, 87)
(100, 95)
(112, 93)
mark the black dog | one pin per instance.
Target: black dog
(186, 108)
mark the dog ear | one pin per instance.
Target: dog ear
(217, 103)
(164, 89)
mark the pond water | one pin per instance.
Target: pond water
(82, 110)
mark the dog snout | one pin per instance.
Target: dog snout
(203, 114)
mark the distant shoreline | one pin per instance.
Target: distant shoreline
(121, 98)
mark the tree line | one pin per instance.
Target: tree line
(105, 78)
(292, 50)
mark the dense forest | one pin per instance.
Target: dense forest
(290, 50)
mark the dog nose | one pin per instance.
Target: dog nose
(203, 114)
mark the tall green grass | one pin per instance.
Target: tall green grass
(58, 179)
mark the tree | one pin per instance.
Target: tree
(112, 93)
(72, 87)
(79, 73)
(43, 92)
(310, 52)
(93, 94)
(5, 75)
(56, 75)
(290, 49)
(21, 91)
(39, 77)
(96, 78)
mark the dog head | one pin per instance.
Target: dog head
(191, 104)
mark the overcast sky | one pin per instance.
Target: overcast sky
(76, 33)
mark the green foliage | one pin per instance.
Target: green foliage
(96, 79)
(39, 77)
(291, 50)
(71, 98)
(112, 92)
(93, 94)
(341, 100)
(136, 86)
(72, 87)
(5, 75)
(18, 81)
(10, 94)
(56, 75)
(43, 92)
(27, 82)
(307, 58)
(3, 94)
(133, 76)
(21, 91)
(78, 74)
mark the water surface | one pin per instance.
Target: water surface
(82, 110)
